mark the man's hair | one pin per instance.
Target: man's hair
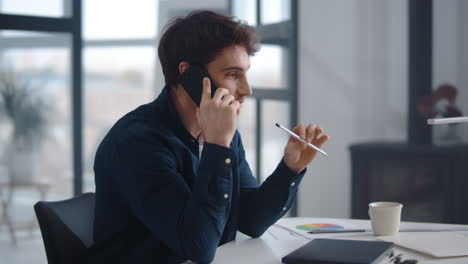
(198, 37)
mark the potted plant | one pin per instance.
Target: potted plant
(26, 112)
(441, 104)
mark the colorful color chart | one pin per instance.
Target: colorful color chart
(310, 227)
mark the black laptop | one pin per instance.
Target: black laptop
(334, 251)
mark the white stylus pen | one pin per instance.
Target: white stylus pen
(449, 120)
(300, 139)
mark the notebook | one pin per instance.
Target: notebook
(334, 251)
(437, 244)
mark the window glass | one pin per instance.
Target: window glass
(247, 128)
(274, 11)
(245, 10)
(126, 21)
(35, 130)
(50, 8)
(269, 68)
(273, 139)
(112, 88)
(449, 81)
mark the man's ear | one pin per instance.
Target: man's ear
(183, 66)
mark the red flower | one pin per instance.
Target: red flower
(426, 104)
(446, 91)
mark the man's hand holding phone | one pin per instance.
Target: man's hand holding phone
(218, 115)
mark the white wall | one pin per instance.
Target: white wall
(353, 83)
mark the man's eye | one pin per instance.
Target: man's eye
(232, 74)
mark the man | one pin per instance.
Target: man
(172, 180)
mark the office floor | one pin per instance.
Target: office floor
(29, 248)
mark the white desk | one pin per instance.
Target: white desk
(270, 248)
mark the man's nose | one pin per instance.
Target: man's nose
(246, 90)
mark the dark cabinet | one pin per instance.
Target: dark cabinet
(430, 181)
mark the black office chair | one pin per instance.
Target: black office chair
(67, 228)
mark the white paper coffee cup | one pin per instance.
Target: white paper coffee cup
(385, 217)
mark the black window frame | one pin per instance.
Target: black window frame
(70, 25)
(284, 34)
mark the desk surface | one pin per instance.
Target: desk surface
(270, 248)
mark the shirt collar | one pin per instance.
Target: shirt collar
(171, 117)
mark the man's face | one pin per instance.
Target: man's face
(229, 70)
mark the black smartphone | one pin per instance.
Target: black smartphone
(192, 81)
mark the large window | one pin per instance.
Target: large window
(41, 45)
(39, 112)
(36, 128)
(121, 68)
(119, 58)
(273, 77)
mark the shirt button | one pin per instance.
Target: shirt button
(292, 184)
(226, 195)
(284, 208)
(228, 161)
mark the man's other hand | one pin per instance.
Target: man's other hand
(298, 155)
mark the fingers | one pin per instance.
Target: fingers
(227, 99)
(300, 130)
(321, 140)
(318, 131)
(206, 94)
(311, 132)
(236, 106)
(220, 93)
(223, 97)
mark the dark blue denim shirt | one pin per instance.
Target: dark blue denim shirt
(158, 202)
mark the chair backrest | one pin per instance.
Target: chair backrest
(67, 228)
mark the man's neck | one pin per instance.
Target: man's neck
(186, 109)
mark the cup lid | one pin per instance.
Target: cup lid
(385, 204)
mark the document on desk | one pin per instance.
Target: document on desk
(437, 244)
(278, 233)
(306, 227)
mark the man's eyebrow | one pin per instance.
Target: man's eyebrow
(234, 68)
